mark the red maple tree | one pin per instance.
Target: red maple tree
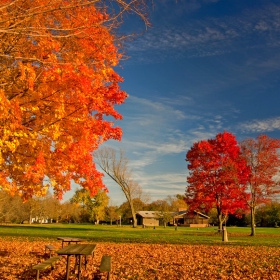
(263, 159)
(217, 177)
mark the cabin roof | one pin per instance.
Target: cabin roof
(201, 214)
(148, 214)
(158, 214)
(180, 213)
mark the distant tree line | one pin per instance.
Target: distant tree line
(81, 208)
(267, 215)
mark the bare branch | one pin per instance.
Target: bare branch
(116, 167)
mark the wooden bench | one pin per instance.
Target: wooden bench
(50, 248)
(46, 264)
(105, 265)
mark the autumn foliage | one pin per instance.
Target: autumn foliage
(58, 93)
(147, 261)
(217, 176)
(261, 155)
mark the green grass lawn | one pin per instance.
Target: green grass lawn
(159, 235)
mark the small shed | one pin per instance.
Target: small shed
(148, 218)
(196, 219)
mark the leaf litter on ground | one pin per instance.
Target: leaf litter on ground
(146, 261)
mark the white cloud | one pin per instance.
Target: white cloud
(163, 184)
(260, 126)
(155, 129)
(262, 26)
(153, 118)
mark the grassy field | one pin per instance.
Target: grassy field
(159, 235)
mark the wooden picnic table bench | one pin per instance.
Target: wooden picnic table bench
(69, 240)
(49, 248)
(105, 265)
(45, 264)
(79, 251)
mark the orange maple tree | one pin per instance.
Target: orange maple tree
(218, 176)
(58, 91)
(262, 157)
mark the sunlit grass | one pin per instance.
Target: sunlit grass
(159, 235)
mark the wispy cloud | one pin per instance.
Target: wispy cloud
(161, 185)
(261, 126)
(211, 36)
(150, 117)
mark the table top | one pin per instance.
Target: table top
(77, 249)
(70, 239)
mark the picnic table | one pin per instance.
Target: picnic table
(69, 240)
(79, 251)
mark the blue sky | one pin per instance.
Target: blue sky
(204, 66)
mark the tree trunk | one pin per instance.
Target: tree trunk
(225, 236)
(133, 213)
(220, 219)
(253, 226)
(134, 220)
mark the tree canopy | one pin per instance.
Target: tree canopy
(261, 155)
(217, 176)
(58, 91)
(94, 206)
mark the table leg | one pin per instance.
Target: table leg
(86, 262)
(79, 267)
(67, 267)
(76, 266)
